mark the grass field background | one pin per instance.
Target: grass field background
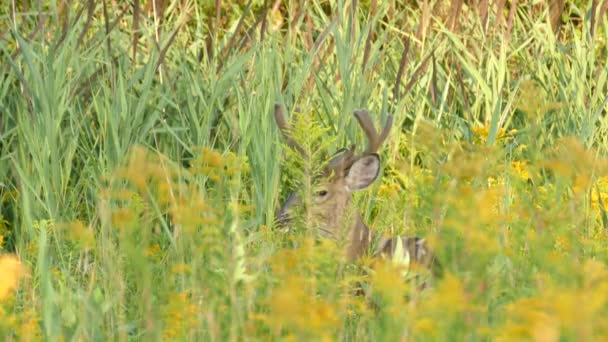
(140, 168)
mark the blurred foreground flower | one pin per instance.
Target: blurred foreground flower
(12, 270)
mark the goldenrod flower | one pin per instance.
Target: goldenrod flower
(12, 270)
(153, 251)
(520, 168)
(79, 233)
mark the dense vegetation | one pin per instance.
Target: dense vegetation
(140, 168)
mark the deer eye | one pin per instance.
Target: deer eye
(321, 193)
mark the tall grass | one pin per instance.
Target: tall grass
(140, 168)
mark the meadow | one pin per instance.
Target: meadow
(141, 168)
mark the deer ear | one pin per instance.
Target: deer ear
(363, 172)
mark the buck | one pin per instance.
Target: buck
(332, 208)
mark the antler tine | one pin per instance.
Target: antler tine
(279, 116)
(344, 158)
(375, 140)
(386, 129)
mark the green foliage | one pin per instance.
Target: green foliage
(141, 167)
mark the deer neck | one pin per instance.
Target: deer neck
(360, 238)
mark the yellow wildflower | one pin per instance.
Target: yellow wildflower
(562, 244)
(425, 325)
(212, 159)
(81, 234)
(153, 251)
(293, 307)
(123, 217)
(594, 272)
(451, 295)
(12, 270)
(29, 329)
(181, 268)
(481, 133)
(180, 315)
(389, 191)
(520, 168)
(388, 283)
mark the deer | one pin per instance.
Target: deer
(331, 206)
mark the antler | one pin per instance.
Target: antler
(346, 157)
(279, 116)
(343, 159)
(374, 140)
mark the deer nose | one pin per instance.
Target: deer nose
(283, 221)
(283, 217)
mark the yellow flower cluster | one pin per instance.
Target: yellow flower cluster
(180, 316)
(217, 166)
(288, 311)
(562, 311)
(153, 251)
(12, 271)
(481, 134)
(521, 169)
(150, 188)
(295, 307)
(599, 194)
(78, 232)
(389, 191)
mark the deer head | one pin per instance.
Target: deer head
(347, 172)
